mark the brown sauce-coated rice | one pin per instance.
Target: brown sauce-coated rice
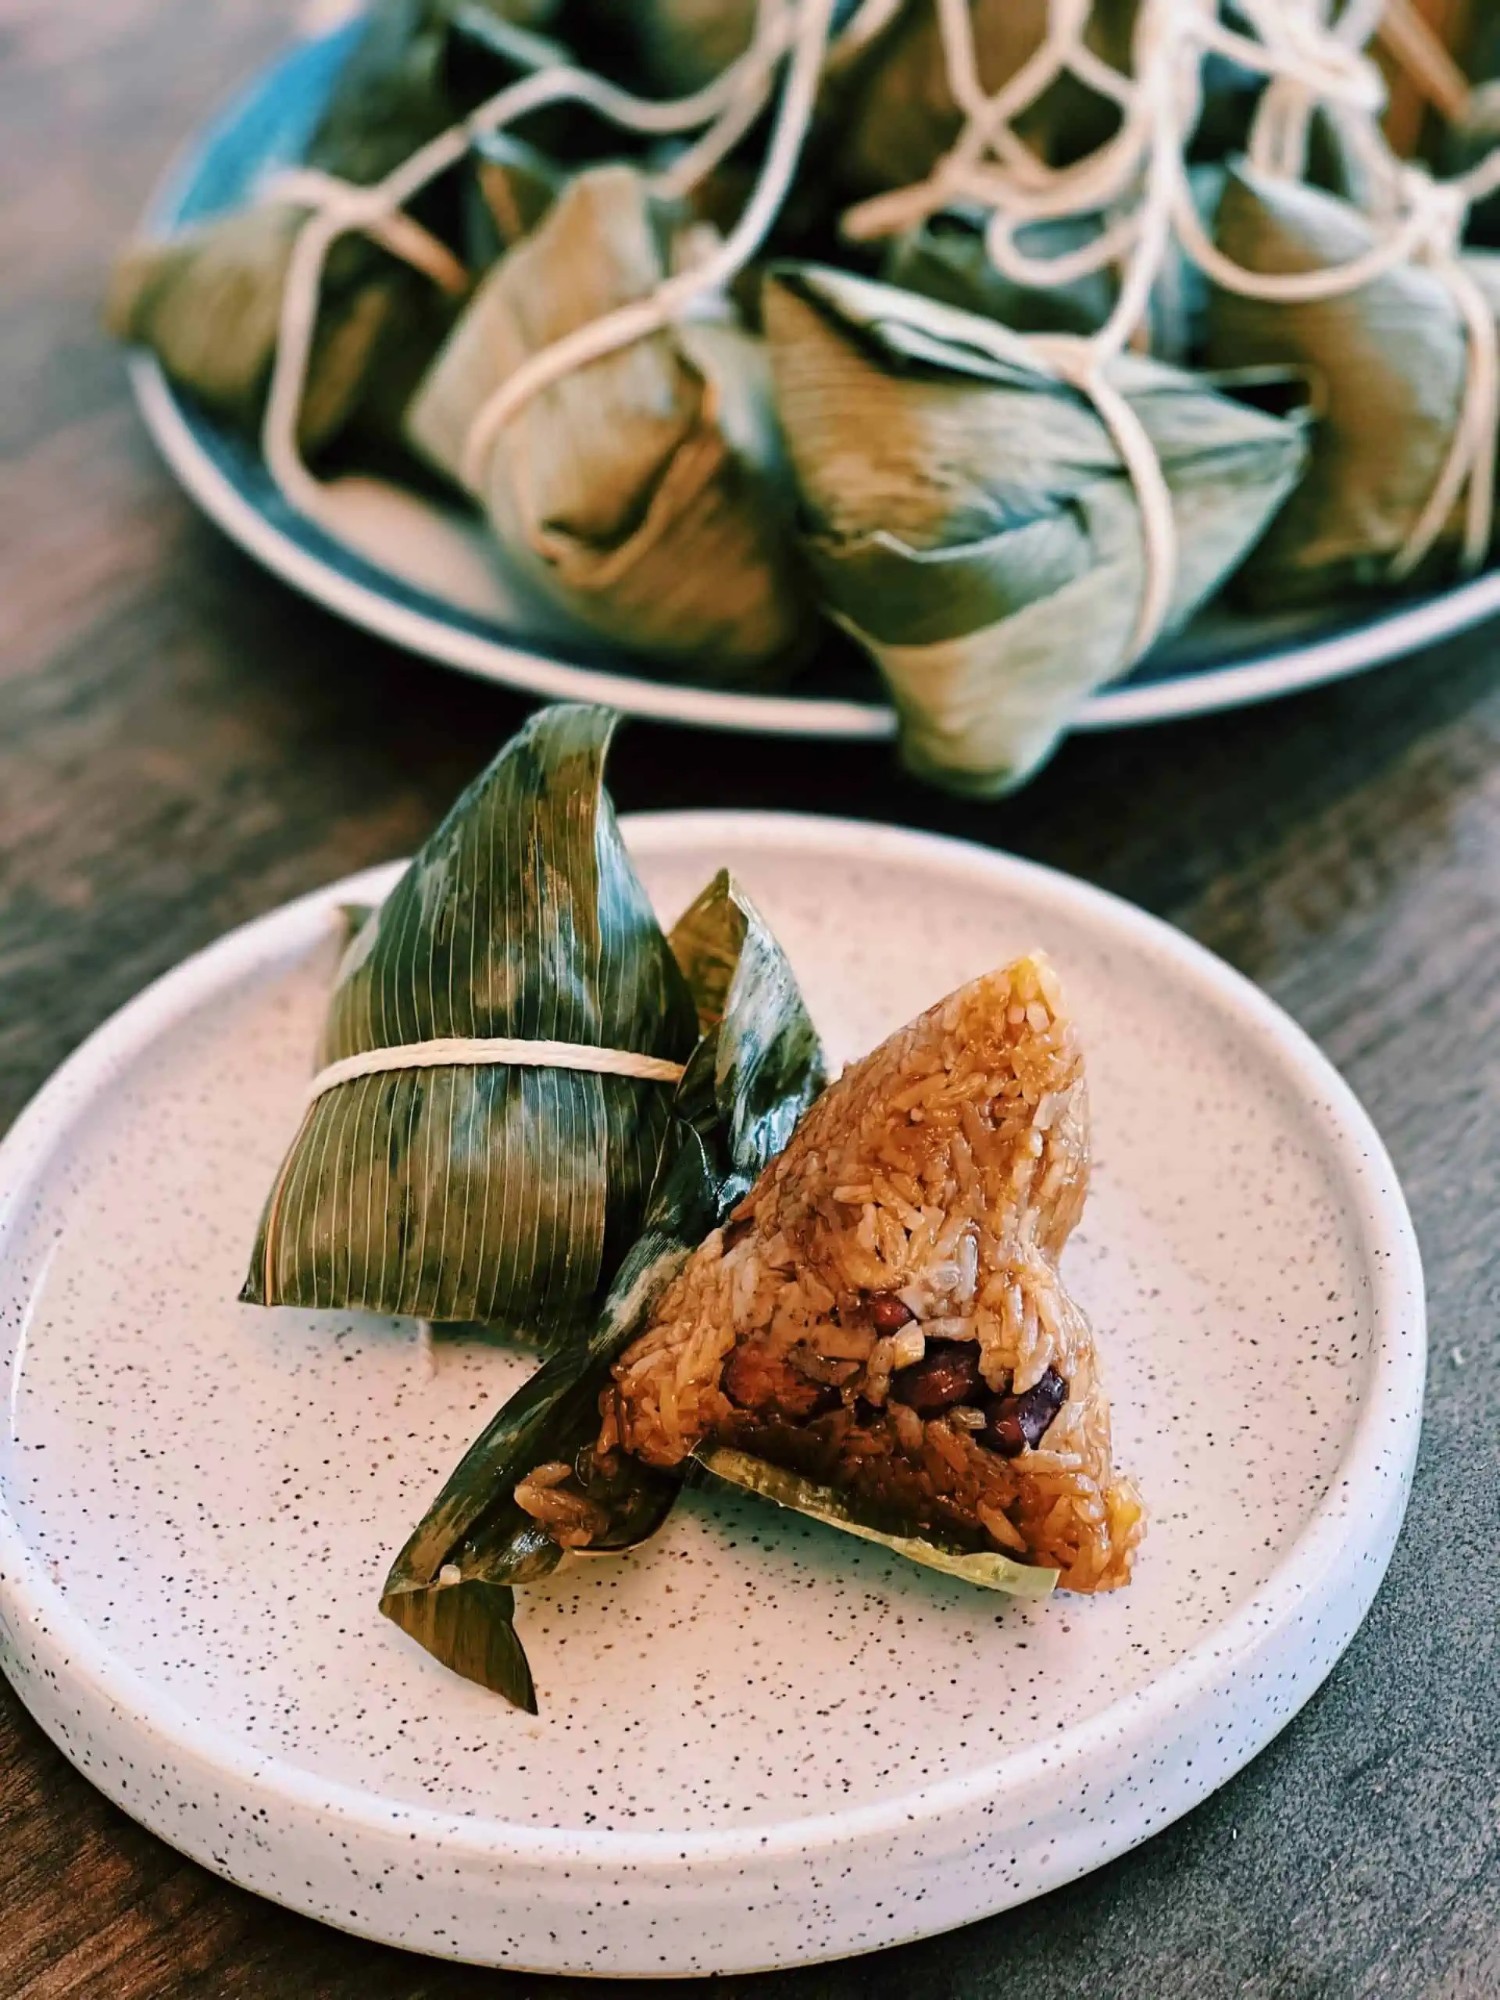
(944, 1171)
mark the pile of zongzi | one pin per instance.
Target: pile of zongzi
(536, 1110)
(862, 356)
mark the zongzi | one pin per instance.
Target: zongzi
(946, 258)
(207, 299)
(969, 519)
(880, 1336)
(1391, 362)
(207, 302)
(644, 492)
(755, 1070)
(480, 1185)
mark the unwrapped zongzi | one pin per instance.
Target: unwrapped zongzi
(880, 1335)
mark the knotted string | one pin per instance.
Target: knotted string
(1135, 186)
(726, 107)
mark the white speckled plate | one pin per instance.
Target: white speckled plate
(760, 1742)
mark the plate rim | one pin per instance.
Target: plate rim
(1397, 633)
(1386, 1429)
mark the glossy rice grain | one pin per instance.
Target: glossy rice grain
(926, 1198)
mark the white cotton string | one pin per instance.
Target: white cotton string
(960, 175)
(343, 208)
(1077, 362)
(696, 162)
(774, 22)
(1134, 186)
(868, 21)
(1415, 45)
(1151, 105)
(644, 317)
(392, 229)
(1358, 21)
(1291, 287)
(493, 1052)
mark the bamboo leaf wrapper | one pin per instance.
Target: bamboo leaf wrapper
(500, 1194)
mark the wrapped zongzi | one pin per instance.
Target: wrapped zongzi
(1390, 362)
(643, 492)
(947, 258)
(207, 299)
(969, 518)
(755, 1070)
(446, 1181)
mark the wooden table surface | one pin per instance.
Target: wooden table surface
(184, 744)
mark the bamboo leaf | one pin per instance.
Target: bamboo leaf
(468, 1625)
(755, 1070)
(985, 1567)
(502, 1194)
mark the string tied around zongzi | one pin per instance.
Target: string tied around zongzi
(493, 1051)
(366, 210)
(640, 318)
(1137, 187)
(719, 105)
(1081, 363)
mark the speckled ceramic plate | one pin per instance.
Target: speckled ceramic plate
(429, 578)
(760, 1742)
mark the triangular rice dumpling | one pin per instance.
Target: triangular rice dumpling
(1389, 361)
(207, 302)
(969, 519)
(499, 1193)
(644, 492)
(207, 299)
(880, 1335)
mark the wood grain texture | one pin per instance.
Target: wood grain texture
(183, 744)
